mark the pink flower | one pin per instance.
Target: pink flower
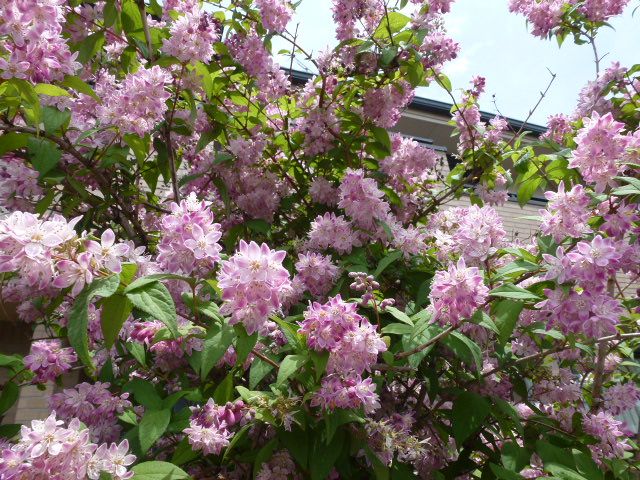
(361, 199)
(48, 360)
(275, 14)
(77, 273)
(253, 282)
(384, 105)
(331, 231)
(346, 392)
(107, 252)
(600, 147)
(317, 272)
(457, 293)
(191, 38)
(115, 459)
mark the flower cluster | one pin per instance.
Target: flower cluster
(353, 344)
(49, 449)
(457, 293)
(346, 14)
(409, 164)
(50, 253)
(612, 443)
(384, 105)
(473, 233)
(37, 49)
(621, 397)
(189, 238)
(251, 54)
(361, 199)
(317, 272)
(275, 14)
(192, 38)
(566, 213)
(543, 16)
(253, 282)
(95, 406)
(600, 147)
(138, 103)
(322, 191)
(209, 425)
(19, 188)
(280, 466)
(331, 231)
(48, 360)
(350, 391)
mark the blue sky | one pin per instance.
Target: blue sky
(496, 44)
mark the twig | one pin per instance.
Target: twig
(430, 342)
(264, 358)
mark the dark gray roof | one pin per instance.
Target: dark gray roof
(436, 107)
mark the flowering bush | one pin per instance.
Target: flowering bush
(258, 281)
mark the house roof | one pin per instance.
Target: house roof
(436, 107)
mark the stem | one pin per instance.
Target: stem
(145, 26)
(264, 358)
(419, 348)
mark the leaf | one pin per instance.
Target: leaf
(50, 90)
(153, 424)
(289, 366)
(154, 299)
(8, 396)
(509, 290)
(397, 329)
(323, 456)
(320, 360)
(506, 314)
(217, 342)
(386, 261)
(183, 453)
(503, 473)
(258, 371)
(90, 46)
(44, 154)
(465, 349)
(297, 443)
(80, 86)
(224, 391)
(467, 415)
(54, 119)
(144, 393)
(115, 310)
(140, 146)
(244, 343)
(382, 136)
(399, 315)
(13, 141)
(158, 471)
(79, 316)
(131, 17)
(9, 430)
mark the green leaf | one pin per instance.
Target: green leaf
(244, 343)
(131, 17)
(9, 430)
(54, 119)
(154, 299)
(8, 396)
(320, 360)
(79, 316)
(50, 90)
(224, 391)
(13, 141)
(184, 453)
(216, 343)
(509, 290)
(382, 136)
(115, 310)
(80, 86)
(467, 415)
(258, 371)
(386, 261)
(44, 154)
(323, 456)
(145, 394)
(399, 315)
(397, 329)
(140, 146)
(297, 443)
(506, 314)
(158, 471)
(90, 46)
(465, 349)
(290, 365)
(153, 424)
(503, 473)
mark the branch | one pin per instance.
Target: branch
(430, 342)
(145, 26)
